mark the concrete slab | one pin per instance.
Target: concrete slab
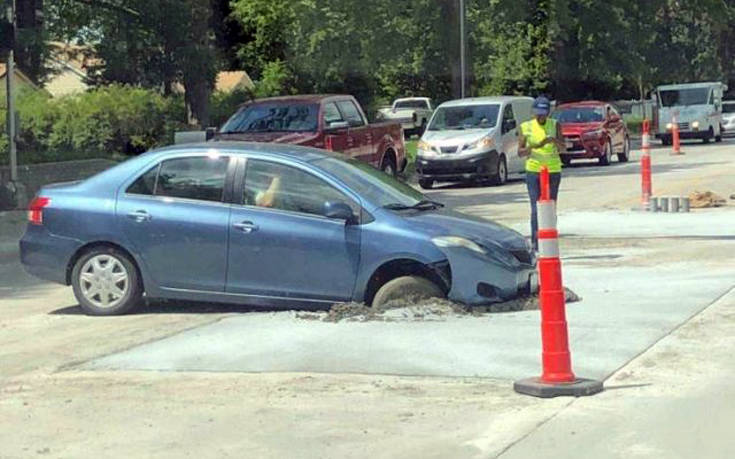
(628, 305)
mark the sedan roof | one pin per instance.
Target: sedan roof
(283, 150)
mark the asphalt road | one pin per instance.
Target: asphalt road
(179, 379)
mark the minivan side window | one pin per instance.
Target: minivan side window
(351, 113)
(507, 117)
(201, 178)
(277, 186)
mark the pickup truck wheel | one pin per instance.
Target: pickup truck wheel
(410, 288)
(606, 155)
(625, 155)
(501, 176)
(389, 165)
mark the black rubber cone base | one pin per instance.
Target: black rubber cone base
(579, 388)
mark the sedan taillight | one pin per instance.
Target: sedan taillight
(35, 210)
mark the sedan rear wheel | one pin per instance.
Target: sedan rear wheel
(426, 183)
(409, 288)
(106, 282)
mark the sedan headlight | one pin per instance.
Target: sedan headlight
(457, 241)
(485, 142)
(423, 145)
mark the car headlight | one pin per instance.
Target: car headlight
(485, 142)
(425, 149)
(457, 241)
(669, 126)
(695, 125)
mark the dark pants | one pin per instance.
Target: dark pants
(534, 192)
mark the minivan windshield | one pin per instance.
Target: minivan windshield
(578, 115)
(683, 97)
(371, 184)
(465, 117)
(273, 117)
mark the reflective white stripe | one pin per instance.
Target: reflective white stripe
(548, 248)
(547, 215)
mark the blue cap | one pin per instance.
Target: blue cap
(541, 106)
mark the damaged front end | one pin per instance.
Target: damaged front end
(484, 274)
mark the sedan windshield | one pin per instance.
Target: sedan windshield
(683, 97)
(728, 108)
(465, 117)
(371, 184)
(273, 117)
(579, 115)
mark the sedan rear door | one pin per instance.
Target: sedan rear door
(281, 244)
(175, 218)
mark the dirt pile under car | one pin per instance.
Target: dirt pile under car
(431, 309)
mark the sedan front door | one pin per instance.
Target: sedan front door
(281, 244)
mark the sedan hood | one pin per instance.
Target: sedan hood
(445, 222)
(575, 129)
(294, 138)
(450, 138)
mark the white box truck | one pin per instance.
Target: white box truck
(697, 108)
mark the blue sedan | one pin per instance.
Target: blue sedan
(263, 225)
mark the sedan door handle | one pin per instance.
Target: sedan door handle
(140, 216)
(246, 227)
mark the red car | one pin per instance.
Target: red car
(592, 130)
(332, 122)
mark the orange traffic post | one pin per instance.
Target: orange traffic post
(328, 143)
(675, 137)
(557, 378)
(646, 185)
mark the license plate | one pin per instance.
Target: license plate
(570, 144)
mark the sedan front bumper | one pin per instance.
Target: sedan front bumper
(483, 165)
(478, 280)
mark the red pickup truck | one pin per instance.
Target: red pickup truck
(331, 122)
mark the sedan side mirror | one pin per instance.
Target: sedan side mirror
(339, 211)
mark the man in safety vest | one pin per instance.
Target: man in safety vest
(541, 141)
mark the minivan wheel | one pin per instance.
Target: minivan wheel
(426, 183)
(709, 136)
(501, 176)
(106, 282)
(411, 288)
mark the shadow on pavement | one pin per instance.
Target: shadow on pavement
(177, 307)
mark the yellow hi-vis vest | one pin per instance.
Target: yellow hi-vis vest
(548, 155)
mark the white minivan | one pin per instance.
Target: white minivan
(473, 139)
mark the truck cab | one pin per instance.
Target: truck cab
(696, 108)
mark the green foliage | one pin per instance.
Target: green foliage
(101, 123)
(276, 80)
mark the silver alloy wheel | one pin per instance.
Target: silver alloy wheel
(104, 281)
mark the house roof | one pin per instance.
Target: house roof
(229, 81)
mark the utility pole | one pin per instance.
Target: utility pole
(10, 86)
(462, 63)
